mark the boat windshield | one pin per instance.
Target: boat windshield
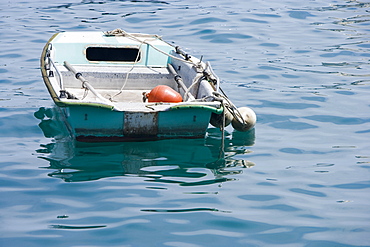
(113, 54)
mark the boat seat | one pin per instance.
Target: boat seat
(114, 77)
(125, 96)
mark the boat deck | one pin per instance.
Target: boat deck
(116, 77)
(112, 95)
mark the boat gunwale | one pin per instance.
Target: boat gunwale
(171, 106)
(50, 88)
(45, 77)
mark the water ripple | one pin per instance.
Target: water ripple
(299, 14)
(308, 192)
(210, 232)
(207, 20)
(259, 198)
(224, 37)
(184, 210)
(354, 186)
(338, 120)
(67, 227)
(284, 105)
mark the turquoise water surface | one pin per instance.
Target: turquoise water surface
(302, 178)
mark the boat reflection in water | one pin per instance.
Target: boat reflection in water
(164, 161)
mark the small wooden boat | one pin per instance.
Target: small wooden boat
(118, 85)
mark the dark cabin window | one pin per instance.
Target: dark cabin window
(113, 54)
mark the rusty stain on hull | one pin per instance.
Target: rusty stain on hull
(140, 123)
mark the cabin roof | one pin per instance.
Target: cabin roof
(72, 46)
(101, 38)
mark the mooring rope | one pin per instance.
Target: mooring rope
(222, 148)
(228, 105)
(120, 32)
(128, 73)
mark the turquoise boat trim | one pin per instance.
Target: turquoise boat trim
(205, 107)
(71, 104)
(88, 120)
(183, 122)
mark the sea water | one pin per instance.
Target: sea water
(301, 178)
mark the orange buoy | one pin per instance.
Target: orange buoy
(163, 93)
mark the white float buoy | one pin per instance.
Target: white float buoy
(247, 121)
